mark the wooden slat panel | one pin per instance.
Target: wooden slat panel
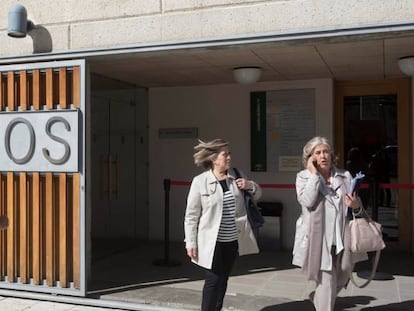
(23, 233)
(16, 226)
(3, 233)
(62, 88)
(23, 90)
(49, 88)
(36, 89)
(42, 242)
(63, 239)
(10, 91)
(11, 272)
(76, 230)
(37, 227)
(50, 256)
(76, 87)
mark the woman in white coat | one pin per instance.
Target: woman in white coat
(216, 226)
(322, 245)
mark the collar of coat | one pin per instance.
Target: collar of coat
(211, 178)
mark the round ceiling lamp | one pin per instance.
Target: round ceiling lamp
(247, 75)
(406, 65)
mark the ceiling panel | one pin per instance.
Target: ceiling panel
(340, 59)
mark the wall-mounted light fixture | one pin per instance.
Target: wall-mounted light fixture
(18, 24)
(406, 65)
(247, 75)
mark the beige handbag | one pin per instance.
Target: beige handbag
(366, 236)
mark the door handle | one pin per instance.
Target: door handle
(115, 177)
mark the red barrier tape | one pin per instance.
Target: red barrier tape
(180, 183)
(397, 186)
(292, 186)
(278, 186)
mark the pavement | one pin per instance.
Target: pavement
(146, 277)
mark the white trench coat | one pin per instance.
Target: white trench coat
(204, 212)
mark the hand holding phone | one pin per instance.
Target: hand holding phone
(312, 165)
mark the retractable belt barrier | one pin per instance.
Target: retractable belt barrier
(292, 186)
(167, 183)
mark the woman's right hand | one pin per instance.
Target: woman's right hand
(312, 165)
(192, 252)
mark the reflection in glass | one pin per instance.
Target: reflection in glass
(370, 144)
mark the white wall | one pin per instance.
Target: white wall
(221, 111)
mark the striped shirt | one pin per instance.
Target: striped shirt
(227, 231)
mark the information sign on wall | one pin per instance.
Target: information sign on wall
(282, 122)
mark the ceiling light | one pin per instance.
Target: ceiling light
(18, 24)
(406, 65)
(247, 75)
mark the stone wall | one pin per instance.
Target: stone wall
(74, 25)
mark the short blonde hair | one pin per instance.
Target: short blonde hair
(310, 147)
(207, 152)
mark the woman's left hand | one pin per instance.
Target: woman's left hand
(243, 184)
(351, 200)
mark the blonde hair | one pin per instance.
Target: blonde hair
(310, 147)
(206, 152)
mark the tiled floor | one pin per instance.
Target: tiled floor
(259, 282)
(129, 280)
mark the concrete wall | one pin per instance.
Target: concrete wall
(221, 111)
(94, 24)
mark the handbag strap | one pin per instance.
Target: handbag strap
(363, 213)
(367, 217)
(236, 171)
(373, 271)
(238, 175)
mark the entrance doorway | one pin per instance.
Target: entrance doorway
(118, 166)
(372, 137)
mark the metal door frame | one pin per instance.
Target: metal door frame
(80, 66)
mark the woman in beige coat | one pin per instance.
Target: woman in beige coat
(216, 226)
(322, 245)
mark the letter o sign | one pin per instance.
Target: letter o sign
(7, 140)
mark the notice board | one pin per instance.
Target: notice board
(282, 121)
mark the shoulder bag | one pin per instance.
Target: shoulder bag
(254, 215)
(366, 236)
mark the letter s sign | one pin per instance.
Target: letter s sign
(46, 152)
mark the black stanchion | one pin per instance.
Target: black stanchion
(166, 261)
(375, 191)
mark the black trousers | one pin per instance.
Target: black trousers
(215, 284)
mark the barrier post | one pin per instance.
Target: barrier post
(375, 192)
(166, 260)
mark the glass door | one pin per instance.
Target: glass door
(371, 146)
(374, 139)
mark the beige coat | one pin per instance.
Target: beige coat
(203, 216)
(313, 239)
